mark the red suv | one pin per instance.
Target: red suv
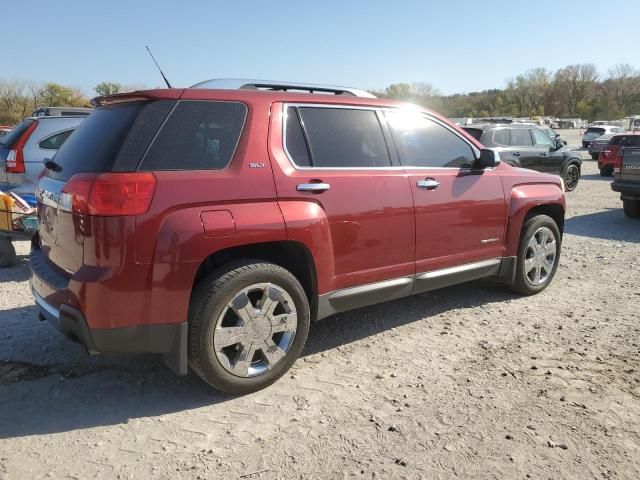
(213, 225)
(608, 156)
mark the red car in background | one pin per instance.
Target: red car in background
(607, 157)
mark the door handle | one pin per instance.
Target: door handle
(428, 184)
(543, 154)
(313, 187)
(517, 154)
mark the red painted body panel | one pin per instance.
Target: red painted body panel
(607, 157)
(371, 225)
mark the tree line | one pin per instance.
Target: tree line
(573, 91)
(19, 98)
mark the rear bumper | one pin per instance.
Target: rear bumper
(627, 190)
(167, 339)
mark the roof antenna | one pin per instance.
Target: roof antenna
(154, 61)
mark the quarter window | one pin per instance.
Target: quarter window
(198, 135)
(520, 137)
(337, 137)
(55, 141)
(424, 143)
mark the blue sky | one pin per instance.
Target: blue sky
(458, 46)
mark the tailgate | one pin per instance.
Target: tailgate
(61, 238)
(630, 168)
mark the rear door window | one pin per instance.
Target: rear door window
(520, 137)
(198, 135)
(337, 137)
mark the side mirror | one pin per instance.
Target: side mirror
(558, 144)
(487, 159)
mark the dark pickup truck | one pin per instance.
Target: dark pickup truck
(627, 180)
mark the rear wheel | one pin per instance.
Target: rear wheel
(248, 323)
(606, 171)
(7, 253)
(571, 177)
(631, 208)
(538, 255)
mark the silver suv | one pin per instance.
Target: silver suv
(23, 150)
(596, 131)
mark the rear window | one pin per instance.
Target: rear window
(199, 135)
(10, 138)
(626, 140)
(474, 132)
(599, 131)
(96, 142)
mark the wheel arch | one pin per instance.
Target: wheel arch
(291, 255)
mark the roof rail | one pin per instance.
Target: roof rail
(237, 83)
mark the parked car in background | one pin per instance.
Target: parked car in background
(528, 146)
(608, 156)
(554, 135)
(627, 177)
(4, 130)
(61, 112)
(212, 225)
(598, 145)
(635, 124)
(23, 150)
(594, 132)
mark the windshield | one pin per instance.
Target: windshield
(10, 138)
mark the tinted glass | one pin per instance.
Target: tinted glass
(541, 139)
(198, 135)
(342, 137)
(424, 143)
(599, 131)
(296, 144)
(520, 137)
(501, 137)
(617, 130)
(9, 139)
(96, 142)
(474, 132)
(55, 141)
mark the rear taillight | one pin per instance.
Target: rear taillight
(618, 162)
(108, 194)
(15, 159)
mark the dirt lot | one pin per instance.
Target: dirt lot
(467, 382)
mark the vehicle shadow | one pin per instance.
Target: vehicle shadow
(597, 177)
(609, 224)
(73, 391)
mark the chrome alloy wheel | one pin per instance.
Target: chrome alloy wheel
(255, 330)
(540, 256)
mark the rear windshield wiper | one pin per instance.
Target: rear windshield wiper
(51, 165)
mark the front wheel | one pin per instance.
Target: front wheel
(571, 177)
(7, 253)
(538, 255)
(631, 208)
(248, 324)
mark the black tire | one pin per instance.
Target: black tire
(521, 283)
(571, 177)
(7, 254)
(209, 299)
(606, 171)
(631, 208)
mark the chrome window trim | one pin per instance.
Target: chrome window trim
(376, 109)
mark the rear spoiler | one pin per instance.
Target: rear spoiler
(157, 94)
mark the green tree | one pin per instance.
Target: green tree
(107, 88)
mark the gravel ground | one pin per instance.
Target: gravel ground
(467, 382)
